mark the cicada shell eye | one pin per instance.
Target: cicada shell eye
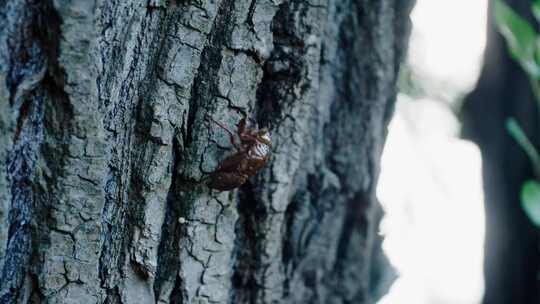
(264, 136)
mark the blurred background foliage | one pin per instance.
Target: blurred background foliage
(462, 219)
(524, 46)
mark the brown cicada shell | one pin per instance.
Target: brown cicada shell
(251, 155)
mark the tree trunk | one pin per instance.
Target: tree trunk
(105, 147)
(512, 260)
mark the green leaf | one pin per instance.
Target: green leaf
(537, 52)
(536, 10)
(530, 201)
(520, 37)
(519, 135)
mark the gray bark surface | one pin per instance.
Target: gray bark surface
(104, 144)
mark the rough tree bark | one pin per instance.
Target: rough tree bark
(104, 142)
(512, 262)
